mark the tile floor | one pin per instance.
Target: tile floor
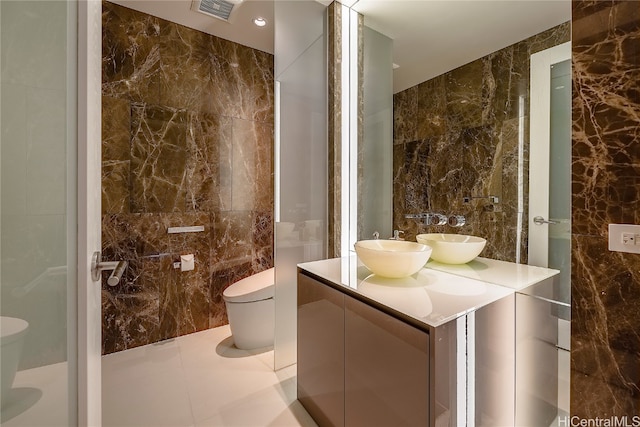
(38, 398)
(195, 380)
(198, 380)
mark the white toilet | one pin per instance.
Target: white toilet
(251, 310)
(12, 332)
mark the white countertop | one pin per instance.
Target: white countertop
(439, 292)
(430, 296)
(509, 274)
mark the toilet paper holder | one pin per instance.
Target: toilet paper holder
(117, 268)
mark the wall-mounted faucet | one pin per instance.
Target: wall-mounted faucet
(396, 235)
(429, 218)
(437, 219)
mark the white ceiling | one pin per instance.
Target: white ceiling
(430, 37)
(240, 29)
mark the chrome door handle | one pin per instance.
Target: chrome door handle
(540, 220)
(97, 266)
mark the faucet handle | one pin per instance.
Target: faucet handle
(457, 220)
(376, 235)
(437, 219)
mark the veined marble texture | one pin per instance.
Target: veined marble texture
(456, 135)
(334, 114)
(187, 140)
(605, 346)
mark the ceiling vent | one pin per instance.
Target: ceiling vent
(221, 9)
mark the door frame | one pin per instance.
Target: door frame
(89, 129)
(539, 148)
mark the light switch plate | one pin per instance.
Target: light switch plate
(624, 238)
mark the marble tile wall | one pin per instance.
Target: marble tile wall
(456, 135)
(605, 345)
(334, 114)
(187, 140)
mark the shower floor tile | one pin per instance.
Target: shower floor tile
(198, 380)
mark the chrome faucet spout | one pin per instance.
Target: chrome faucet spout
(396, 235)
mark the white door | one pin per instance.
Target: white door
(550, 156)
(550, 197)
(89, 209)
(50, 212)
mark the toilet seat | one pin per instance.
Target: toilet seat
(258, 287)
(12, 329)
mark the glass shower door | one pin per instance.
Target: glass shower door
(38, 212)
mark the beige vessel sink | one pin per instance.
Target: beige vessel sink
(452, 248)
(392, 258)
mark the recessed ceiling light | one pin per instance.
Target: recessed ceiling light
(260, 22)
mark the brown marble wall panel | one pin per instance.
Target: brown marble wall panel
(209, 161)
(605, 345)
(482, 161)
(263, 239)
(190, 288)
(335, 117)
(334, 134)
(131, 311)
(446, 172)
(251, 166)
(431, 109)
(148, 59)
(417, 179)
(232, 237)
(465, 94)
(116, 163)
(116, 128)
(457, 135)
(130, 54)
(399, 189)
(360, 114)
(158, 158)
(510, 172)
(115, 185)
(605, 379)
(405, 107)
(510, 165)
(187, 140)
